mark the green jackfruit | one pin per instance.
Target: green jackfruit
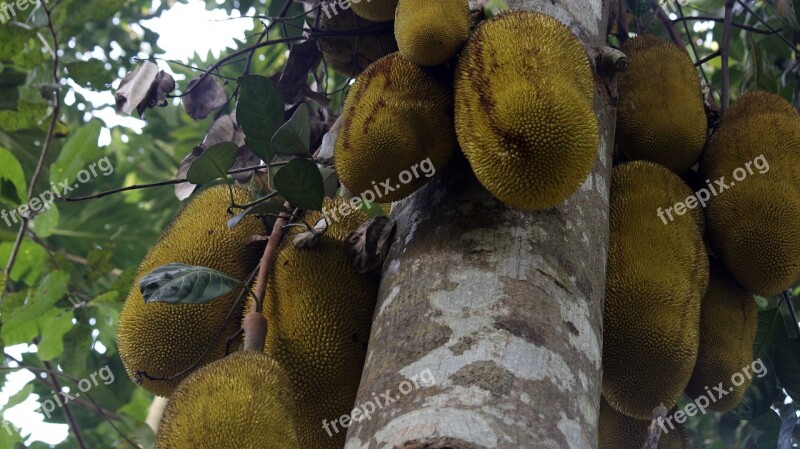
(431, 33)
(660, 115)
(164, 339)
(397, 125)
(243, 401)
(352, 53)
(656, 277)
(375, 10)
(728, 323)
(526, 125)
(319, 311)
(617, 431)
(758, 102)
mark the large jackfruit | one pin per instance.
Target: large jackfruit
(352, 53)
(617, 431)
(656, 277)
(758, 102)
(660, 115)
(396, 117)
(431, 33)
(375, 10)
(526, 124)
(751, 221)
(728, 323)
(243, 401)
(164, 339)
(319, 311)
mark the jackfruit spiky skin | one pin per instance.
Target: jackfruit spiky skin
(243, 401)
(396, 116)
(660, 115)
(319, 311)
(375, 10)
(431, 33)
(656, 277)
(351, 54)
(164, 339)
(751, 223)
(526, 125)
(758, 102)
(617, 431)
(728, 323)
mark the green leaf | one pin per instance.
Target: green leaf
(259, 113)
(12, 171)
(265, 208)
(293, 137)
(19, 397)
(90, 74)
(177, 283)
(25, 321)
(330, 180)
(51, 343)
(46, 222)
(300, 182)
(769, 424)
(213, 164)
(31, 261)
(763, 390)
(78, 152)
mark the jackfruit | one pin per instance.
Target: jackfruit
(526, 124)
(375, 10)
(660, 114)
(758, 102)
(397, 119)
(752, 212)
(164, 339)
(656, 277)
(352, 53)
(319, 311)
(728, 322)
(617, 431)
(431, 33)
(243, 401)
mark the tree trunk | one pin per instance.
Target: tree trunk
(487, 332)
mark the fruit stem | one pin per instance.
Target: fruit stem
(255, 331)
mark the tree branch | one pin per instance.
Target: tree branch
(724, 49)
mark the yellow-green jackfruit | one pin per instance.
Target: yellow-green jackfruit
(431, 33)
(656, 277)
(352, 53)
(660, 115)
(526, 124)
(617, 431)
(397, 129)
(752, 214)
(375, 10)
(728, 322)
(243, 401)
(162, 339)
(758, 102)
(319, 311)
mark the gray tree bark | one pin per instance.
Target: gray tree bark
(499, 310)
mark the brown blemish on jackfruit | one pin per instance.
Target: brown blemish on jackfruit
(430, 33)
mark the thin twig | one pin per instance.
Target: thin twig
(74, 427)
(666, 22)
(768, 26)
(268, 257)
(735, 24)
(725, 97)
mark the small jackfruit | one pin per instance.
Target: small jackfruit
(319, 311)
(617, 431)
(660, 115)
(164, 339)
(728, 323)
(758, 102)
(375, 10)
(526, 124)
(351, 53)
(431, 33)
(397, 119)
(656, 277)
(243, 401)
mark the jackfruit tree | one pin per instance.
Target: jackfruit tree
(399, 223)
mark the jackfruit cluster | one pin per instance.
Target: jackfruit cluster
(660, 114)
(657, 275)
(617, 431)
(431, 33)
(351, 53)
(752, 218)
(526, 124)
(241, 401)
(161, 339)
(728, 323)
(396, 116)
(375, 10)
(319, 311)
